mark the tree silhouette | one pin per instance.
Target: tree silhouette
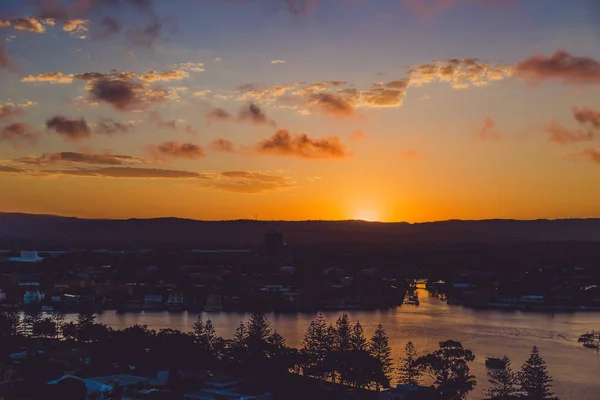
(315, 348)
(503, 382)
(58, 318)
(358, 342)
(382, 352)
(449, 368)
(535, 382)
(410, 371)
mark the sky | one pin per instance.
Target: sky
(383, 110)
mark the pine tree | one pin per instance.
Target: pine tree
(535, 382)
(410, 372)
(29, 322)
(258, 328)
(210, 335)
(200, 332)
(358, 342)
(343, 332)
(331, 340)
(315, 348)
(503, 382)
(380, 349)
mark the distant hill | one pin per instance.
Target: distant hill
(30, 227)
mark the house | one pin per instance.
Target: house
(408, 392)
(27, 256)
(153, 302)
(33, 297)
(95, 390)
(214, 302)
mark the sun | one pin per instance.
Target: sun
(367, 215)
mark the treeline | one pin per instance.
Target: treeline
(338, 353)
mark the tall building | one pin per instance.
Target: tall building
(275, 247)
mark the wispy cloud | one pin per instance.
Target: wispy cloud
(488, 131)
(560, 66)
(174, 149)
(18, 134)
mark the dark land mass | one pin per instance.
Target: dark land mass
(140, 232)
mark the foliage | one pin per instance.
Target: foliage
(449, 368)
(381, 350)
(410, 371)
(535, 381)
(503, 382)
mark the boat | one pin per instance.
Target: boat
(592, 345)
(586, 337)
(495, 363)
(414, 300)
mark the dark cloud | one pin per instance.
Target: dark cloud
(11, 170)
(80, 158)
(161, 123)
(587, 116)
(560, 66)
(488, 131)
(126, 172)
(105, 28)
(562, 135)
(283, 143)
(248, 182)
(18, 134)
(252, 113)
(108, 126)
(5, 62)
(589, 154)
(70, 129)
(332, 104)
(125, 95)
(222, 145)
(147, 35)
(175, 149)
(10, 111)
(219, 115)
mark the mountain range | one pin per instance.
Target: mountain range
(34, 227)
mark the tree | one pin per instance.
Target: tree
(315, 348)
(410, 372)
(200, 332)
(211, 337)
(58, 318)
(535, 382)
(382, 352)
(449, 368)
(503, 382)
(45, 327)
(357, 338)
(10, 323)
(342, 333)
(30, 321)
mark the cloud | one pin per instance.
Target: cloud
(75, 25)
(147, 35)
(125, 95)
(409, 154)
(107, 27)
(460, 74)
(161, 123)
(249, 182)
(278, 62)
(489, 132)
(174, 149)
(562, 135)
(202, 93)
(585, 116)
(52, 77)
(358, 135)
(108, 126)
(398, 84)
(222, 145)
(219, 115)
(283, 143)
(252, 113)
(589, 154)
(24, 24)
(560, 66)
(5, 62)
(126, 172)
(11, 170)
(80, 158)
(155, 76)
(379, 97)
(332, 104)
(18, 134)
(70, 129)
(9, 111)
(192, 66)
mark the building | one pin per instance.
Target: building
(33, 297)
(214, 302)
(153, 302)
(408, 392)
(27, 256)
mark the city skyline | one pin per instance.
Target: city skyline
(413, 110)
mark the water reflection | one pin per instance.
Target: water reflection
(489, 333)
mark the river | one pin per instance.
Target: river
(489, 333)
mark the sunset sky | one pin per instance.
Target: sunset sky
(390, 110)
